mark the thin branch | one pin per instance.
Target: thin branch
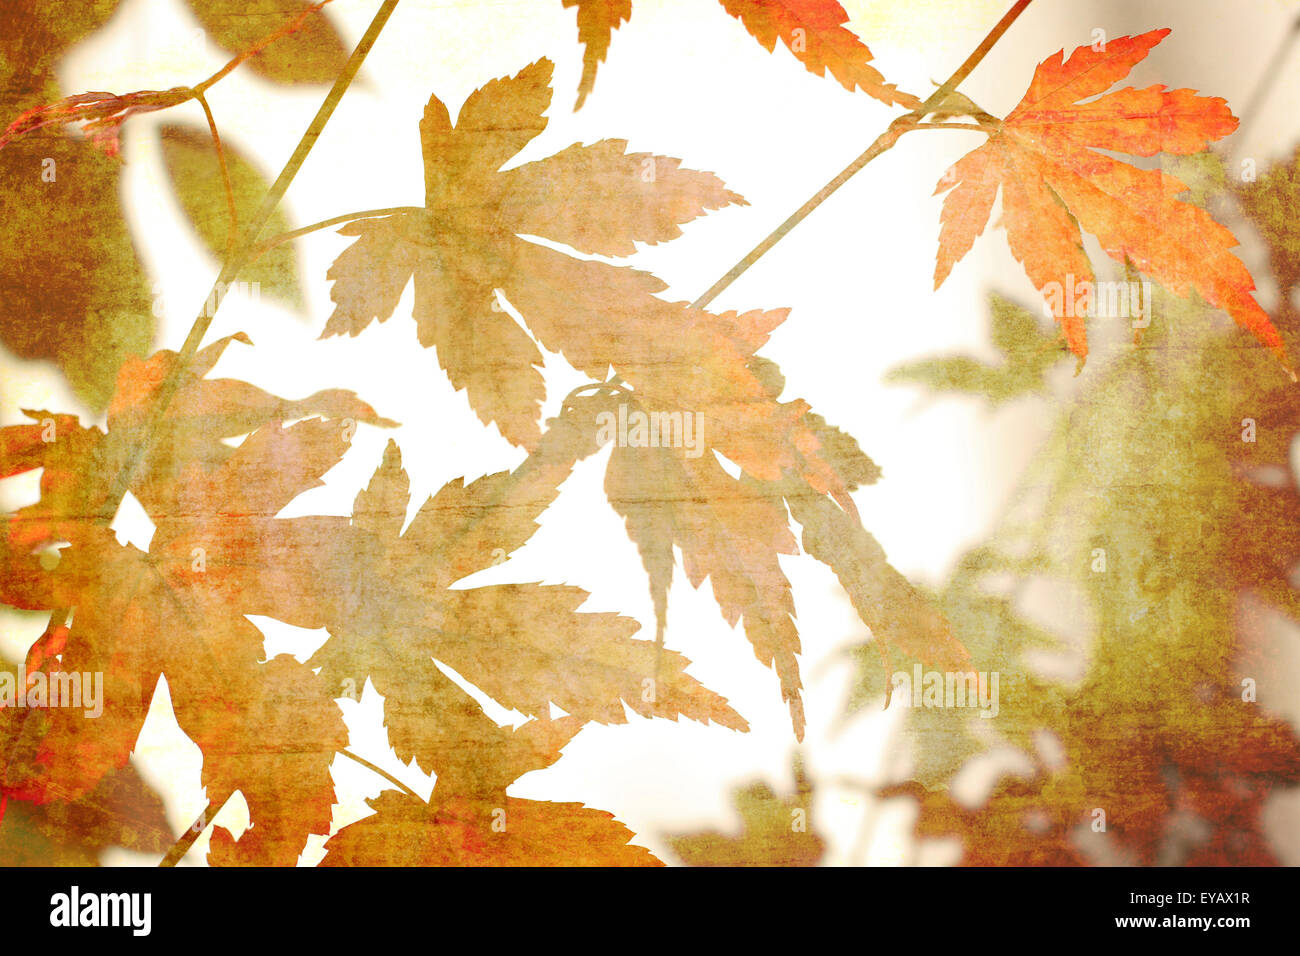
(104, 113)
(232, 227)
(266, 246)
(167, 390)
(910, 121)
(192, 833)
(884, 142)
(195, 829)
(383, 773)
(981, 51)
(237, 259)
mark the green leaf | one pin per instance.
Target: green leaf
(1205, 173)
(1268, 199)
(35, 32)
(73, 288)
(776, 831)
(1028, 353)
(314, 53)
(195, 171)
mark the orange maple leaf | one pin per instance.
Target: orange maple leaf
(218, 553)
(815, 33)
(729, 531)
(593, 199)
(597, 21)
(813, 30)
(1045, 157)
(404, 831)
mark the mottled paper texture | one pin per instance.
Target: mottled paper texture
(1107, 630)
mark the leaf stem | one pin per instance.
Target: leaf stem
(232, 228)
(980, 127)
(264, 247)
(883, 142)
(195, 829)
(383, 773)
(192, 833)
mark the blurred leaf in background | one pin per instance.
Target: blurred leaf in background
(314, 53)
(1027, 353)
(195, 170)
(72, 287)
(776, 831)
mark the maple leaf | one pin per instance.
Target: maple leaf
(218, 553)
(79, 463)
(404, 831)
(526, 645)
(75, 287)
(286, 41)
(465, 247)
(139, 616)
(729, 532)
(597, 21)
(257, 724)
(1045, 156)
(813, 30)
(598, 316)
(897, 613)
